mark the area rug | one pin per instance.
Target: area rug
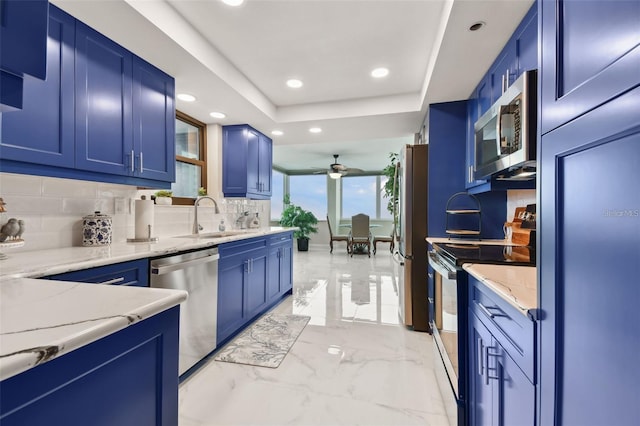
(265, 343)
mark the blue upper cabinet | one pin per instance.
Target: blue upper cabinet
(519, 54)
(104, 126)
(154, 114)
(23, 47)
(246, 163)
(591, 55)
(103, 114)
(50, 103)
(23, 37)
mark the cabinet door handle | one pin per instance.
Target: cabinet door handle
(485, 310)
(480, 354)
(113, 281)
(141, 162)
(133, 161)
(486, 358)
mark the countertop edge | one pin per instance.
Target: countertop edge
(91, 257)
(12, 364)
(502, 290)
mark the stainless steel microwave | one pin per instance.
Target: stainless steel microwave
(505, 136)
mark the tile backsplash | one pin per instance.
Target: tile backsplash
(519, 198)
(53, 208)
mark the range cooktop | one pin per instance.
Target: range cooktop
(472, 252)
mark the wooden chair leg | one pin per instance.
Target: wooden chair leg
(331, 245)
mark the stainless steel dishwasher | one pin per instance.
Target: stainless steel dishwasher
(197, 273)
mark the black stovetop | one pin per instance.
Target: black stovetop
(476, 252)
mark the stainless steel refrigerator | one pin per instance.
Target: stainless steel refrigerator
(411, 230)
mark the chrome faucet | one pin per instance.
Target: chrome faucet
(196, 225)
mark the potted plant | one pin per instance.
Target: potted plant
(163, 197)
(390, 189)
(304, 220)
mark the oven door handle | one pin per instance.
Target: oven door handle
(438, 265)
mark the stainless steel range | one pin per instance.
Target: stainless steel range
(448, 297)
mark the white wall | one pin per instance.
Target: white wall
(519, 198)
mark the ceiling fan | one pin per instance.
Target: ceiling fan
(337, 170)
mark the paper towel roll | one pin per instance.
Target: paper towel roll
(144, 218)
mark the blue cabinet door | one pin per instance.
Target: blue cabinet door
(253, 162)
(154, 122)
(256, 283)
(23, 37)
(481, 399)
(273, 273)
(104, 134)
(526, 39)
(234, 161)
(590, 198)
(231, 296)
(513, 392)
(591, 54)
(49, 103)
(504, 70)
(286, 267)
(265, 161)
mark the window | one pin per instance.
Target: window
(191, 165)
(277, 194)
(363, 194)
(310, 193)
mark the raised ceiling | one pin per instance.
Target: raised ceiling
(237, 60)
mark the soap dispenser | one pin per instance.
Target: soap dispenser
(255, 222)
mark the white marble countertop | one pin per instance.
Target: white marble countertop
(516, 284)
(43, 319)
(40, 263)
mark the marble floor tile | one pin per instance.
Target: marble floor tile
(353, 364)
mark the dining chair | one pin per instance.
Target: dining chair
(333, 238)
(360, 235)
(383, 239)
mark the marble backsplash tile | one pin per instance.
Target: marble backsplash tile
(53, 208)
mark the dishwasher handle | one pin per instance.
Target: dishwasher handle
(163, 269)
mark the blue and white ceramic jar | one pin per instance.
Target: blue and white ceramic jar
(97, 229)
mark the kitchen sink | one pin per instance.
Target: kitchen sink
(219, 234)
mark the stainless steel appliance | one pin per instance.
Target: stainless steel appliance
(448, 307)
(505, 136)
(411, 230)
(197, 273)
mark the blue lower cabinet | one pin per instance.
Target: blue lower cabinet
(129, 378)
(280, 266)
(133, 273)
(253, 275)
(499, 392)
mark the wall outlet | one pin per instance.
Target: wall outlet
(120, 205)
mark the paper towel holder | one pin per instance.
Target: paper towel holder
(149, 239)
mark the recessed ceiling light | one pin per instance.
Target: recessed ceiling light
(277, 133)
(380, 72)
(477, 26)
(186, 97)
(294, 83)
(233, 2)
(217, 115)
(315, 130)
